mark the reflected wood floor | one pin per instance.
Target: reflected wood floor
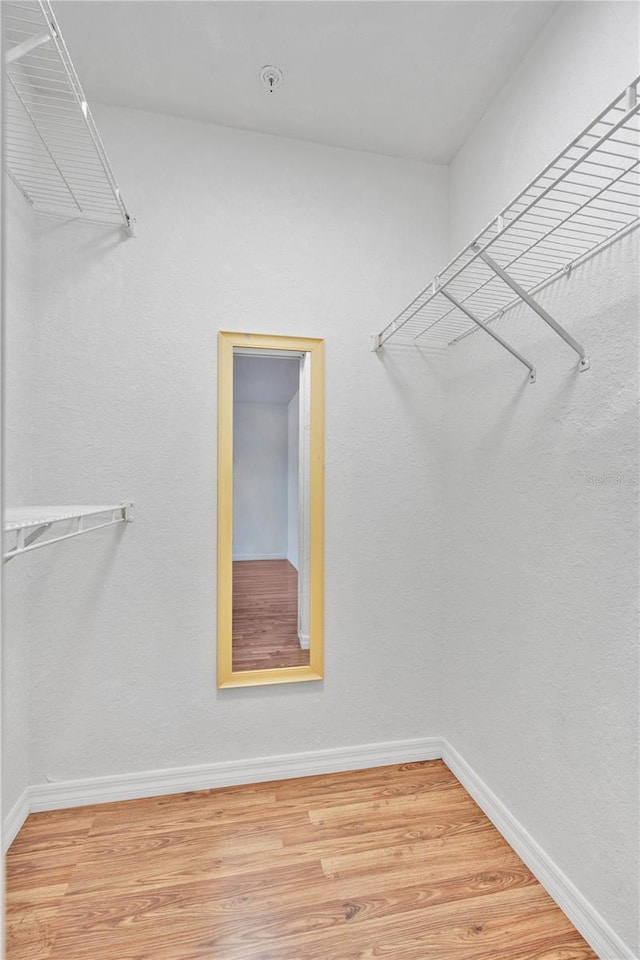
(265, 616)
(393, 862)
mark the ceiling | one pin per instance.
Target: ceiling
(407, 79)
(265, 379)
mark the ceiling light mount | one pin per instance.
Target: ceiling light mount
(271, 77)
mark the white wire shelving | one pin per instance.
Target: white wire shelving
(586, 198)
(27, 526)
(53, 151)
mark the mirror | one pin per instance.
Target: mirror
(270, 509)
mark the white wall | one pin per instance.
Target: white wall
(293, 445)
(542, 689)
(534, 581)
(19, 339)
(260, 480)
(234, 231)
(584, 57)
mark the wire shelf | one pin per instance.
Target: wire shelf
(28, 525)
(53, 151)
(587, 197)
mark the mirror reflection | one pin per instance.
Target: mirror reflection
(270, 509)
(270, 615)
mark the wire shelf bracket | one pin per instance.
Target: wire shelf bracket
(585, 199)
(53, 151)
(535, 306)
(492, 333)
(28, 525)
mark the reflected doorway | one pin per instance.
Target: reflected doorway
(270, 510)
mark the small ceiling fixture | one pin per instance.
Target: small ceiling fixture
(271, 77)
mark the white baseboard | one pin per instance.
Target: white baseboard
(260, 556)
(595, 930)
(130, 786)
(305, 644)
(155, 783)
(14, 819)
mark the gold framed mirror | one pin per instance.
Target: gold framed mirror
(270, 509)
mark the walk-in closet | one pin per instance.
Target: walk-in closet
(320, 474)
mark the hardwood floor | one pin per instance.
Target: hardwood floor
(265, 616)
(393, 862)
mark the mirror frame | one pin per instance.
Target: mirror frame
(314, 671)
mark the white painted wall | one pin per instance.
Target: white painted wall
(19, 348)
(234, 231)
(584, 57)
(293, 445)
(260, 481)
(542, 662)
(534, 581)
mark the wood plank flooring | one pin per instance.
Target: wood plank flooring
(265, 616)
(393, 862)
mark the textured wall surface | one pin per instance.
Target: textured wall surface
(19, 348)
(260, 481)
(480, 569)
(235, 231)
(542, 664)
(584, 57)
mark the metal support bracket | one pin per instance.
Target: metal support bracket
(22, 49)
(376, 346)
(28, 536)
(492, 333)
(34, 535)
(535, 306)
(26, 539)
